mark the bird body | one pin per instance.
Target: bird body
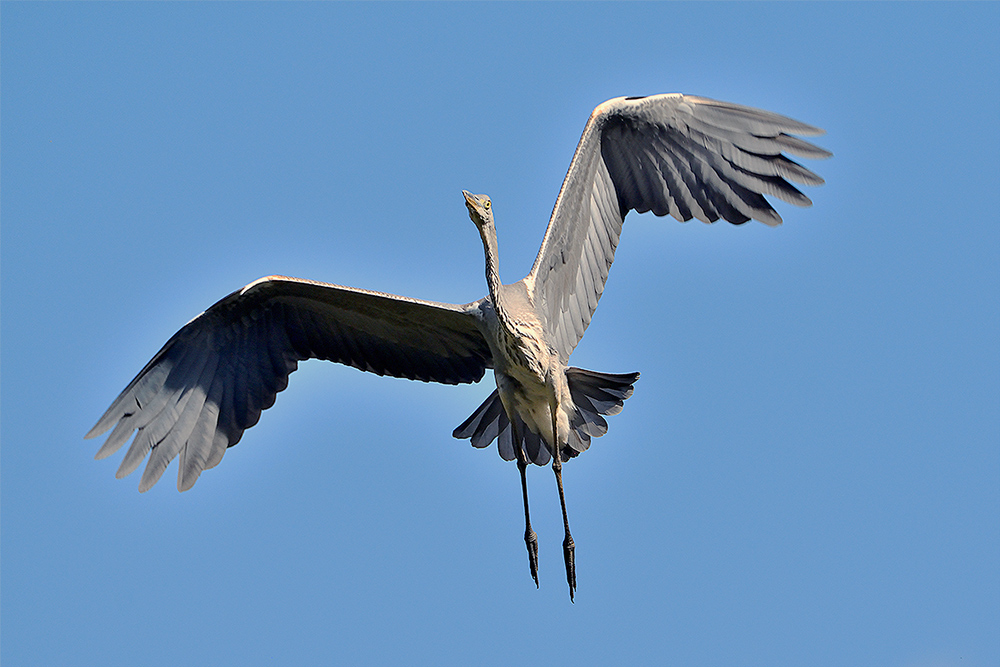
(529, 374)
(678, 155)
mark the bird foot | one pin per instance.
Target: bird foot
(531, 542)
(568, 555)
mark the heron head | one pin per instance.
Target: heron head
(480, 209)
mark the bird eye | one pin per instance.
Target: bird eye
(487, 205)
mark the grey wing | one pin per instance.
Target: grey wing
(689, 157)
(211, 380)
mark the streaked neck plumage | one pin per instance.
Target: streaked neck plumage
(488, 233)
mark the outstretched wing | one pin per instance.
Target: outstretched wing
(689, 157)
(211, 380)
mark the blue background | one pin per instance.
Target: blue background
(807, 474)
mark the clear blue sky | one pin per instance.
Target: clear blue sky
(808, 473)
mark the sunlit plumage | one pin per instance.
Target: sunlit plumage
(684, 156)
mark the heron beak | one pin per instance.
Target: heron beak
(471, 204)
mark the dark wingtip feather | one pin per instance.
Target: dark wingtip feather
(802, 148)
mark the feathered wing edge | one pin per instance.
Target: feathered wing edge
(594, 394)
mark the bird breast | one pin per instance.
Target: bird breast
(522, 350)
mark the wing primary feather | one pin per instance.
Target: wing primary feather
(156, 419)
(134, 412)
(761, 156)
(196, 452)
(188, 411)
(119, 436)
(801, 147)
(748, 119)
(132, 397)
(768, 185)
(749, 204)
(696, 179)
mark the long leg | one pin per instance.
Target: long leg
(530, 539)
(569, 548)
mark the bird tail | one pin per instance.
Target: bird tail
(594, 394)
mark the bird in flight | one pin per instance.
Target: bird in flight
(679, 155)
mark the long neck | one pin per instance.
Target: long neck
(489, 236)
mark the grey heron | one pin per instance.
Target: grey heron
(679, 155)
